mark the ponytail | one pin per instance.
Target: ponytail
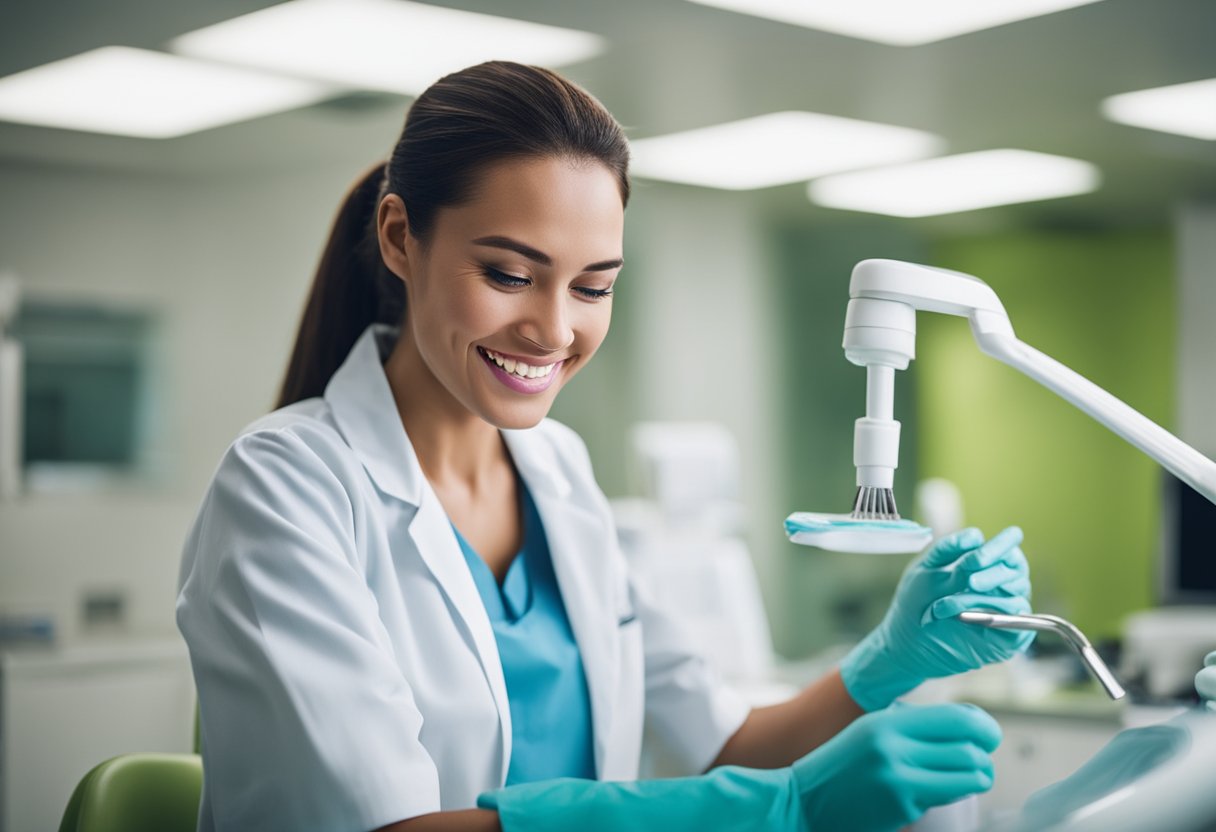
(352, 289)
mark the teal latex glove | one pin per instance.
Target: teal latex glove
(1205, 681)
(727, 799)
(920, 637)
(888, 767)
(878, 774)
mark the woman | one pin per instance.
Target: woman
(403, 597)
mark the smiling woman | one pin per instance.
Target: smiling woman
(403, 595)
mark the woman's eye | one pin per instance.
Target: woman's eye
(503, 278)
(594, 294)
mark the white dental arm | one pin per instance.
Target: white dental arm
(880, 332)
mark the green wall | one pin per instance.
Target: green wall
(1102, 304)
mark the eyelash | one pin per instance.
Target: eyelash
(514, 281)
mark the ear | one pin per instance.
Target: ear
(392, 229)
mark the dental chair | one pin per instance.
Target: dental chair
(145, 792)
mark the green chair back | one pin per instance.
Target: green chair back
(138, 793)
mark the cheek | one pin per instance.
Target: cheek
(470, 314)
(593, 327)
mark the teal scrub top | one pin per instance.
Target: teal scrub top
(551, 733)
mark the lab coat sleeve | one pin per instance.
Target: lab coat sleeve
(688, 706)
(307, 721)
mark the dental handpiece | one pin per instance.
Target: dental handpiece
(1053, 623)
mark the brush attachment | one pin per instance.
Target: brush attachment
(874, 504)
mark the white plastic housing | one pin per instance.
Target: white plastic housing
(880, 332)
(953, 293)
(876, 452)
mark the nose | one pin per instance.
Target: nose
(547, 324)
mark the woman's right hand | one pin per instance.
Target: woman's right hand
(888, 767)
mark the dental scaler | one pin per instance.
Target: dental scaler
(880, 335)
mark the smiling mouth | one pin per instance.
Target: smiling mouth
(517, 368)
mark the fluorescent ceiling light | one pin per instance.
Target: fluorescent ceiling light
(897, 22)
(775, 149)
(1186, 109)
(133, 92)
(389, 45)
(956, 183)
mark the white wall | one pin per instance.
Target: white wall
(224, 263)
(1196, 240)
(705, 340)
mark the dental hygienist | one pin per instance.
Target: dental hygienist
(403, 597)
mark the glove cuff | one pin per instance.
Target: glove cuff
(872, 677)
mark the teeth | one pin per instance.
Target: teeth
(519, 368)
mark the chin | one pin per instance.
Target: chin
(517, 418)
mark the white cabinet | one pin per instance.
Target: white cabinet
(62, 711)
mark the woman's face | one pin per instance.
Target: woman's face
(513, 294)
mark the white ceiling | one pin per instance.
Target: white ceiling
(674, 65)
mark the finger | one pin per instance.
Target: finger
(948, 549)
(998, 548)
(1205, 683)
(937, 788)
(1016, 559)
(1017, 586)
(989, 579)
(951, 723)
(952, 605)
(949, 756)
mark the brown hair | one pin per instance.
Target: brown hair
(459, 126)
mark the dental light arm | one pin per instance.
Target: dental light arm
(880, 334)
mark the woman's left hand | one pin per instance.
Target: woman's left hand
(921, 638)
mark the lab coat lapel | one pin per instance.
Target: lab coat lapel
(433, 538)
(366, 413)
(578, 542)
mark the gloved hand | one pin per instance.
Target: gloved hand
(887, 768)
(920, 638)
(1205, 681)
(878, 774)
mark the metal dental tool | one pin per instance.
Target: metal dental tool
(1051, 623)
(880, 335)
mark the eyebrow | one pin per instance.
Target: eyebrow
(539, 256)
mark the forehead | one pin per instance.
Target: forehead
(562, 207)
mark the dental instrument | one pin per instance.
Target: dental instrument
(880, 335)
(1051, 623)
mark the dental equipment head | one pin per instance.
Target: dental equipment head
(880, 335)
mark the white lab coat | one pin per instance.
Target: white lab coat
(346, 669)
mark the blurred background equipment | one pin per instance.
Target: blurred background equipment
(11, 395)
(682, 536)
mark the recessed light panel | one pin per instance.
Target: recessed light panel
(956, 183)
(897, 22)
(775, 149)
(1186, 109)
(134, 92)
(388, 45)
